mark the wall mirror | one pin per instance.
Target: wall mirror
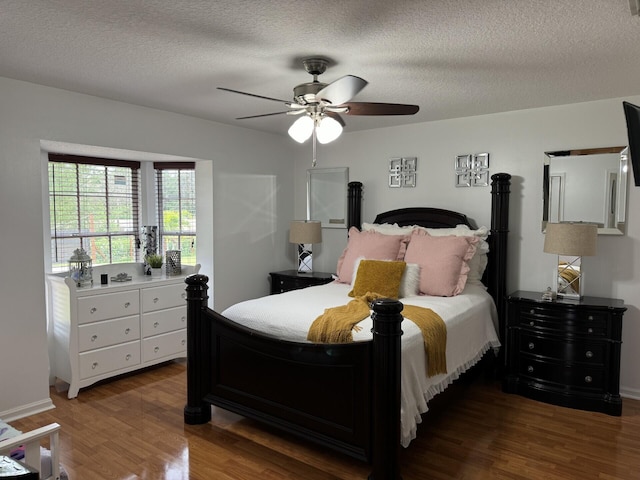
(588, 185)
(327, 196)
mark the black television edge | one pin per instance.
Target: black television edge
(632, 114)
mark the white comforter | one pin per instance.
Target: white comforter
(470, 317)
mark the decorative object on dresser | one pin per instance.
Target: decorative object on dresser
(305, 233)
(102, 331)
(174, 262)
(80, 268)
(566, 354)
(149, 245)
(287, 280)
(571, 242)
(155, 263)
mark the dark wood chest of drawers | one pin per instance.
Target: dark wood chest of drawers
(565, 353)
(293, 280)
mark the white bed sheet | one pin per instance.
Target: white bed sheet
(471, 320)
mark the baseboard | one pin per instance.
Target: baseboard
(632, 393)
(26, 410)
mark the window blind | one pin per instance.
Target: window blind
(94, 204)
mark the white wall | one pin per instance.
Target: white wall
(516, 142)
(252, 182)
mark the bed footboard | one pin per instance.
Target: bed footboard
(343, 396)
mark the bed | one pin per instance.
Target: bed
(345, 396)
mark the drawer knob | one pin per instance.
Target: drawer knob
(532, 311)
(156, 350)
(183, 295)
(590, 330)
(94, 338)
(183, 318)
(281, 282)
(183, 342)
(590, 317)
(155, 300)
(531, 346)
(126, 305)
(530, 369)
(126, 331)
(93, 310)
(532, 323)
(128, 357)
(94, 366)
(155, 325)
(588, 379)
(589, 354)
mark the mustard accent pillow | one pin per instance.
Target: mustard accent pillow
(378, 276)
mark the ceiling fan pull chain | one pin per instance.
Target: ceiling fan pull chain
(313, 163)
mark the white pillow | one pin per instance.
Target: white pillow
(409, 283)
(387, 228)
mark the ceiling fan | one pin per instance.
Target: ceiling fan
(320, 105)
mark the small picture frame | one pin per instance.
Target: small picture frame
(395, 165)
(395, 180)
(481, 179)
(463, 162)
(480, 161)
(462, 179)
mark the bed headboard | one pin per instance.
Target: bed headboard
(496, 273)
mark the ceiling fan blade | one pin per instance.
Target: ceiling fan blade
(262, 115)
(342, 90)
(253, 95)
(370, 108)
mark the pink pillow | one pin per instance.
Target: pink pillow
(370, 245)
(443, 262)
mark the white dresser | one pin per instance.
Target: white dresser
(106, 330)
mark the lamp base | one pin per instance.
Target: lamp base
(569, 279)
(305, 258)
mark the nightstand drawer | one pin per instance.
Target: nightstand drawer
(578, 323)
(562, 375)
(292, 280)
(591, 353)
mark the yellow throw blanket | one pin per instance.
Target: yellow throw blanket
(336, 324)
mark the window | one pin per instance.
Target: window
(176, 207)
(94, 205)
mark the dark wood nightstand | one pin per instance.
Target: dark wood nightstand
(565, 353)
(293, 280)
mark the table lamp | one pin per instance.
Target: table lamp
(305, 233)
(575, 240)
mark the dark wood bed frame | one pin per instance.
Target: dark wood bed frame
(343, 396)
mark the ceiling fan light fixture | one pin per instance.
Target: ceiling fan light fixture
(302, 129)
(328, 129)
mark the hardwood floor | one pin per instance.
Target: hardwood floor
(132, 428)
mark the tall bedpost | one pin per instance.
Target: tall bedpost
(196, 411)
(387, 322)
(354, 198)
(497, 285)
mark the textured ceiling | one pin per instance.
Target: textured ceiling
(452, 58)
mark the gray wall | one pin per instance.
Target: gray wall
(242, 174)
(516, 142)
(252, 184)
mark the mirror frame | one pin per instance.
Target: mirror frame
(621, 192)
(327, 196)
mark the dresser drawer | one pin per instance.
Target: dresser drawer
(165, 345)
(569, 321)
(164, 321)
(108, 332)
(167, 296)
(109, 359)
(564, 375)
(108, 305)
(592, 353)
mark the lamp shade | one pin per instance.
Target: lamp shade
(305, 231)
(571, 239)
